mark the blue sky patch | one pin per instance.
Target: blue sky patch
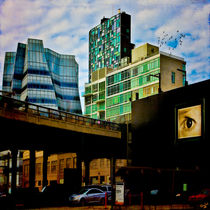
(150, 20)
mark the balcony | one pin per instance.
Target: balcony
(101, 97)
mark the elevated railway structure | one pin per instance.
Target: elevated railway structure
(26, 126)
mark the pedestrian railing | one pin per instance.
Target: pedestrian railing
(11, 104)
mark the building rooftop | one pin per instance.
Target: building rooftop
(171, 55)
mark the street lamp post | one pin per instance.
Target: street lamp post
(184, 73)
(158, 75)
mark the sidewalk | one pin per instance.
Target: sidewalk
(133, 207)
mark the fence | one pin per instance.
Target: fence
(6, 102)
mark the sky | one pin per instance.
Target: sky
(179, 27)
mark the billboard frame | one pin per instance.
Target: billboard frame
(184, 105)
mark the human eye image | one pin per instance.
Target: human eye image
(189, 122)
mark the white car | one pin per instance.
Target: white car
(88, 196)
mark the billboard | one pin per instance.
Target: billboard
(189, 122)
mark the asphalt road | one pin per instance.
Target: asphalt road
(133, 207)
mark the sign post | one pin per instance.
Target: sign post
(119, 198)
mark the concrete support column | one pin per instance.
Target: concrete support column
(7, 171)
(112, 170)
(79, 170)
(32, 169)
(44, 169)
(112, 178)
(14, 170)
(87, 171)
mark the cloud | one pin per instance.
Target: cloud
(18, 14)
(193, 22)
(64, 26)
(174, 3)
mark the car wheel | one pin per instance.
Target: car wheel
(102, 201)
(204, 205)
(82, 202)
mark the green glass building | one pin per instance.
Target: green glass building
(109, 42)
(110, 93)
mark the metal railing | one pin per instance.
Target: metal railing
(8, 103)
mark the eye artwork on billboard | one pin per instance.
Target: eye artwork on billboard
(189, 122)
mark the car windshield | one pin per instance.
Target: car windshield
(104, 189)
(82, 191)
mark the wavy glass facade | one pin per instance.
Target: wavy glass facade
(109, 42)
(42, 76)
(18, 70)
(8, 71)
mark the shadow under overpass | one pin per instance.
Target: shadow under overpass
(19, 132)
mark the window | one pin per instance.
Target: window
(26, 170)
(88, 89)
(53, 166)
(93, 164)
(134, 82)
(74, 162)
(48, 167)
(39, 183)
(38, 169)
(61, 166)
(93, 191)
(113, 89)
(94, 98)
(102, 163)
(135, 72)
(173, 77)
(102, 180)
(140, 69)
(108, 163)
(148, 78)
(126, 85)
(110, 80)
(102, 86)
(102, 95)
(87, 109)
(94, 107)
(125, 74)
(184, 79)
(87, 100)
(95, 88)
(183, 67)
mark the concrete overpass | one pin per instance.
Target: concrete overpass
(26, 126)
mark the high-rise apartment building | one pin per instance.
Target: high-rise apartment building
(110, 93)
(109, 42)
(41, 76)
